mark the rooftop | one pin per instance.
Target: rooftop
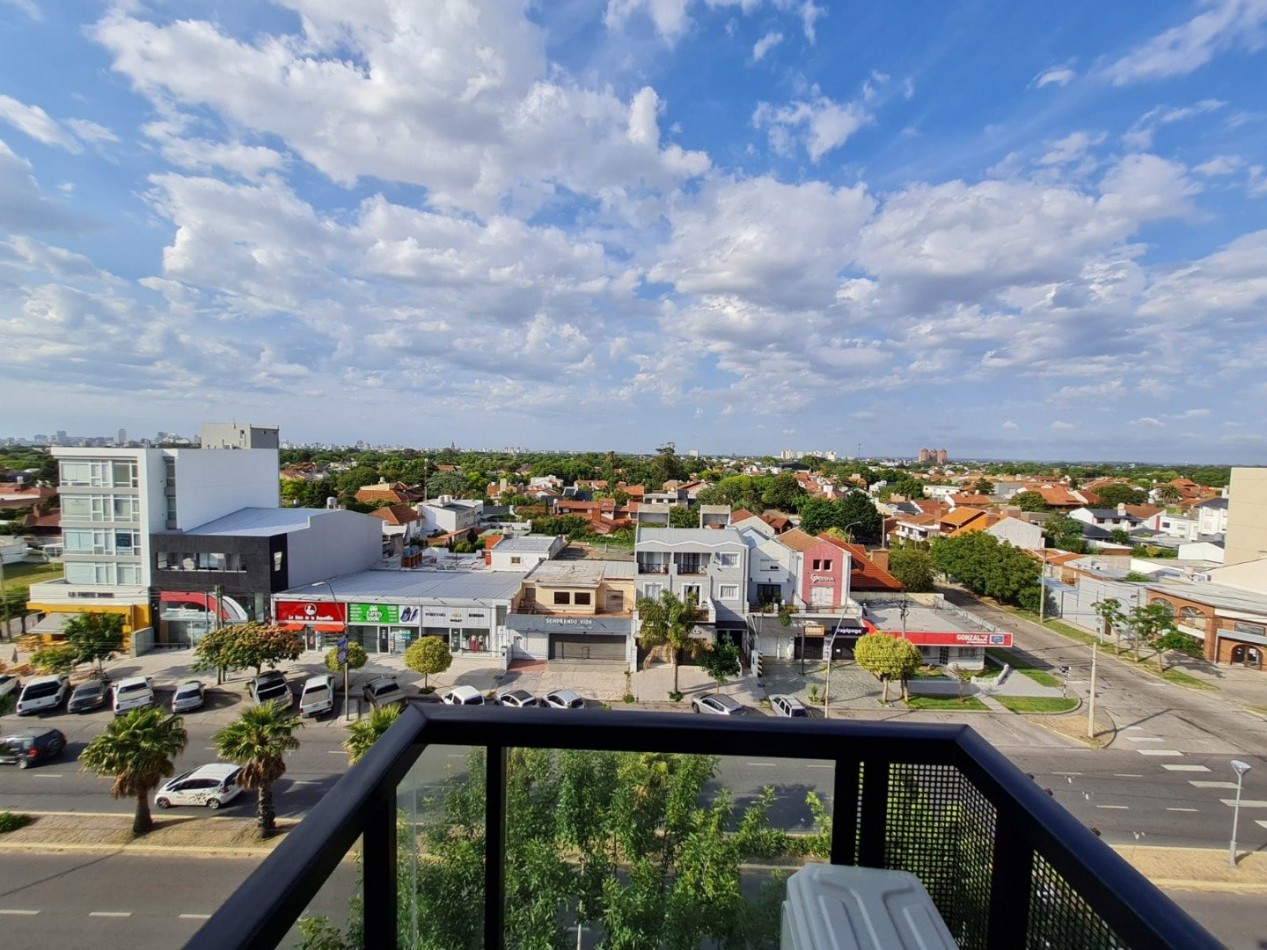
(262, 522)
(580, 573)
(528, 544)
(416, 585)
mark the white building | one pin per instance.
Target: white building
(447, 515)
(1018, 533)
(525, 553)
(1212, 516)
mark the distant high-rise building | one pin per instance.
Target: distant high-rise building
(937, 456)
(233, 435)
(942, 455)
(61, 438)
(123, 437)
(925, 455)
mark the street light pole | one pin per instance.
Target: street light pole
(1240, 768)
(1095, 650)
(347, 703)
(1042, 591)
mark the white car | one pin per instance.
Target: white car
(317, 696)
(715, 704)
(271, 687)
(135, 692)
(43, 692)
(189, 695)
(9, 684)
(788, 706)
(462, 696)
(563, 699)
(209, 785)
(518, 698)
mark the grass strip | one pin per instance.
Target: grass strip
(1037, 704)
(968, 703)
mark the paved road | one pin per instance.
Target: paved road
(1237, 920)
(125, 901)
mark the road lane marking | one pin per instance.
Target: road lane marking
(1127, 775)
(1196, 784)
(18, 913)
(1066, 773)
(1129, 728)
(1183, 809)
(1245, 803)
(772, 765)
(335, 752)
(49, 775)
(1158, 752)
(300, 782)
(111, 913)
(195, 916)
(820, 765)
(1185, 768)
(1116, 807)
(1143, 738)
(1262, 824)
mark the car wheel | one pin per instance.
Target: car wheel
(213, 803)
(694, 708)
(162, 803)
(24, 763)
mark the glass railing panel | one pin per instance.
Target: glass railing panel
(333, 917)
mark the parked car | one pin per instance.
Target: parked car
(189, 695)
(317, 696)
(270, 687)
(135, 692)
(563, 699)
(31, 746)
(210, 785)
(9, 684)
(788, 706)
(43, 693)
(383, 691)
(462, 696)
(518, 698)
(715, 704)
(87, 696)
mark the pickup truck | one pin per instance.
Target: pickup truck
(271, 687)
(383, 691)
(135, 692)
(317, 696)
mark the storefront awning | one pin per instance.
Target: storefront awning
(319, 627)
(54, 622)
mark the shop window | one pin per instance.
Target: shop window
(582, 599)
(562, 597)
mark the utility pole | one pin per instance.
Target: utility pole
(1042, 591)
(1095, 652)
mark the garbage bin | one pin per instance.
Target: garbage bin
(839, 907)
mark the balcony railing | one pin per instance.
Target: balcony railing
(645, 567)
(1005, 864)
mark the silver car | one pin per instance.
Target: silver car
(788, 706)
(189, 695)
(715, 704)
(563, 699)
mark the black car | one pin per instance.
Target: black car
(31, 746)
(88, 695)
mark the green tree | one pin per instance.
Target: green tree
(908, 487)
(59, 658)
(1154, 626)
(95, 635)
(914, 568)
(989, 567)
(1109, 610)
(784, 492)
(1030, 501)
(1169, 495)
(860, 518)
(1065, 532)
(1119, 494)
(665, 628)
(682, 516)
(363, 733)
(446, 483)
(721, 662)
(983, 486)
(428, 656)
(258, 740)
(666, 466)
(13, 605)
(241, 645)
(137, 749)
(888, 657)
(1176, 640)
(819, 514)
(357, 658)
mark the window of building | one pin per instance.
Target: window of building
(727, 560)
(516, 559)
(652, 591)
(277, 561)
(818, 565)
(943, 656)
(562, 597)
(691, 592)
(728, 591)
(582, 598)
(1164, 604)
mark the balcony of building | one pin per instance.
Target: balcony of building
(1004, 864)
(653, 563)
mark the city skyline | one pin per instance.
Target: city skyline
(735, 226)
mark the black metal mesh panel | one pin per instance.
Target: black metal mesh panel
(1059, 918)
(941, 829)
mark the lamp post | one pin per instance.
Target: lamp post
(1240, 768)
(343, 650)
(1042, 591)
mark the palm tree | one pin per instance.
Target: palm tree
(365, 732)
(258, 740)
(665, 627)
(137, 748)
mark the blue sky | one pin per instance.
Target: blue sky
(1013, 230)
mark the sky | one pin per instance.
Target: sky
(1012, 230)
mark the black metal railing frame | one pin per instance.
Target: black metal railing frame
(1028, 822)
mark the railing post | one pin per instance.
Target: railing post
(1010, 880)
(873, 817)
(494, 847)
(844, 813)
(378, 871)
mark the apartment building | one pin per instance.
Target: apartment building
(709, 563)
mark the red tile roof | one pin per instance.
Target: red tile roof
(396, 514)
(865, 574)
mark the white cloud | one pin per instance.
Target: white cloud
(820, 124)
(1140, 135)
(1109, 389)
(1148, 422)
(23, 206)
(1009, 424)
(811, 13)
(1072, 148)
(1228, 284)
(1063, 426)
(1194, 413)
(35, 122)
(765, 44)
(1056, 76)
(668, 16)
(1220, 165)
(1221, 26)
(1146, 187)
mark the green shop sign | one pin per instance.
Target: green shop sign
(373, 613)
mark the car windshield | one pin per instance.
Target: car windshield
(88, 689)
(380, 688)
(315, 692)
(133, 688)
(276, 689)
(39, 690)
(186, 691)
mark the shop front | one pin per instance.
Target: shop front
(600, 640)
(958, 647)
(465, 629)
